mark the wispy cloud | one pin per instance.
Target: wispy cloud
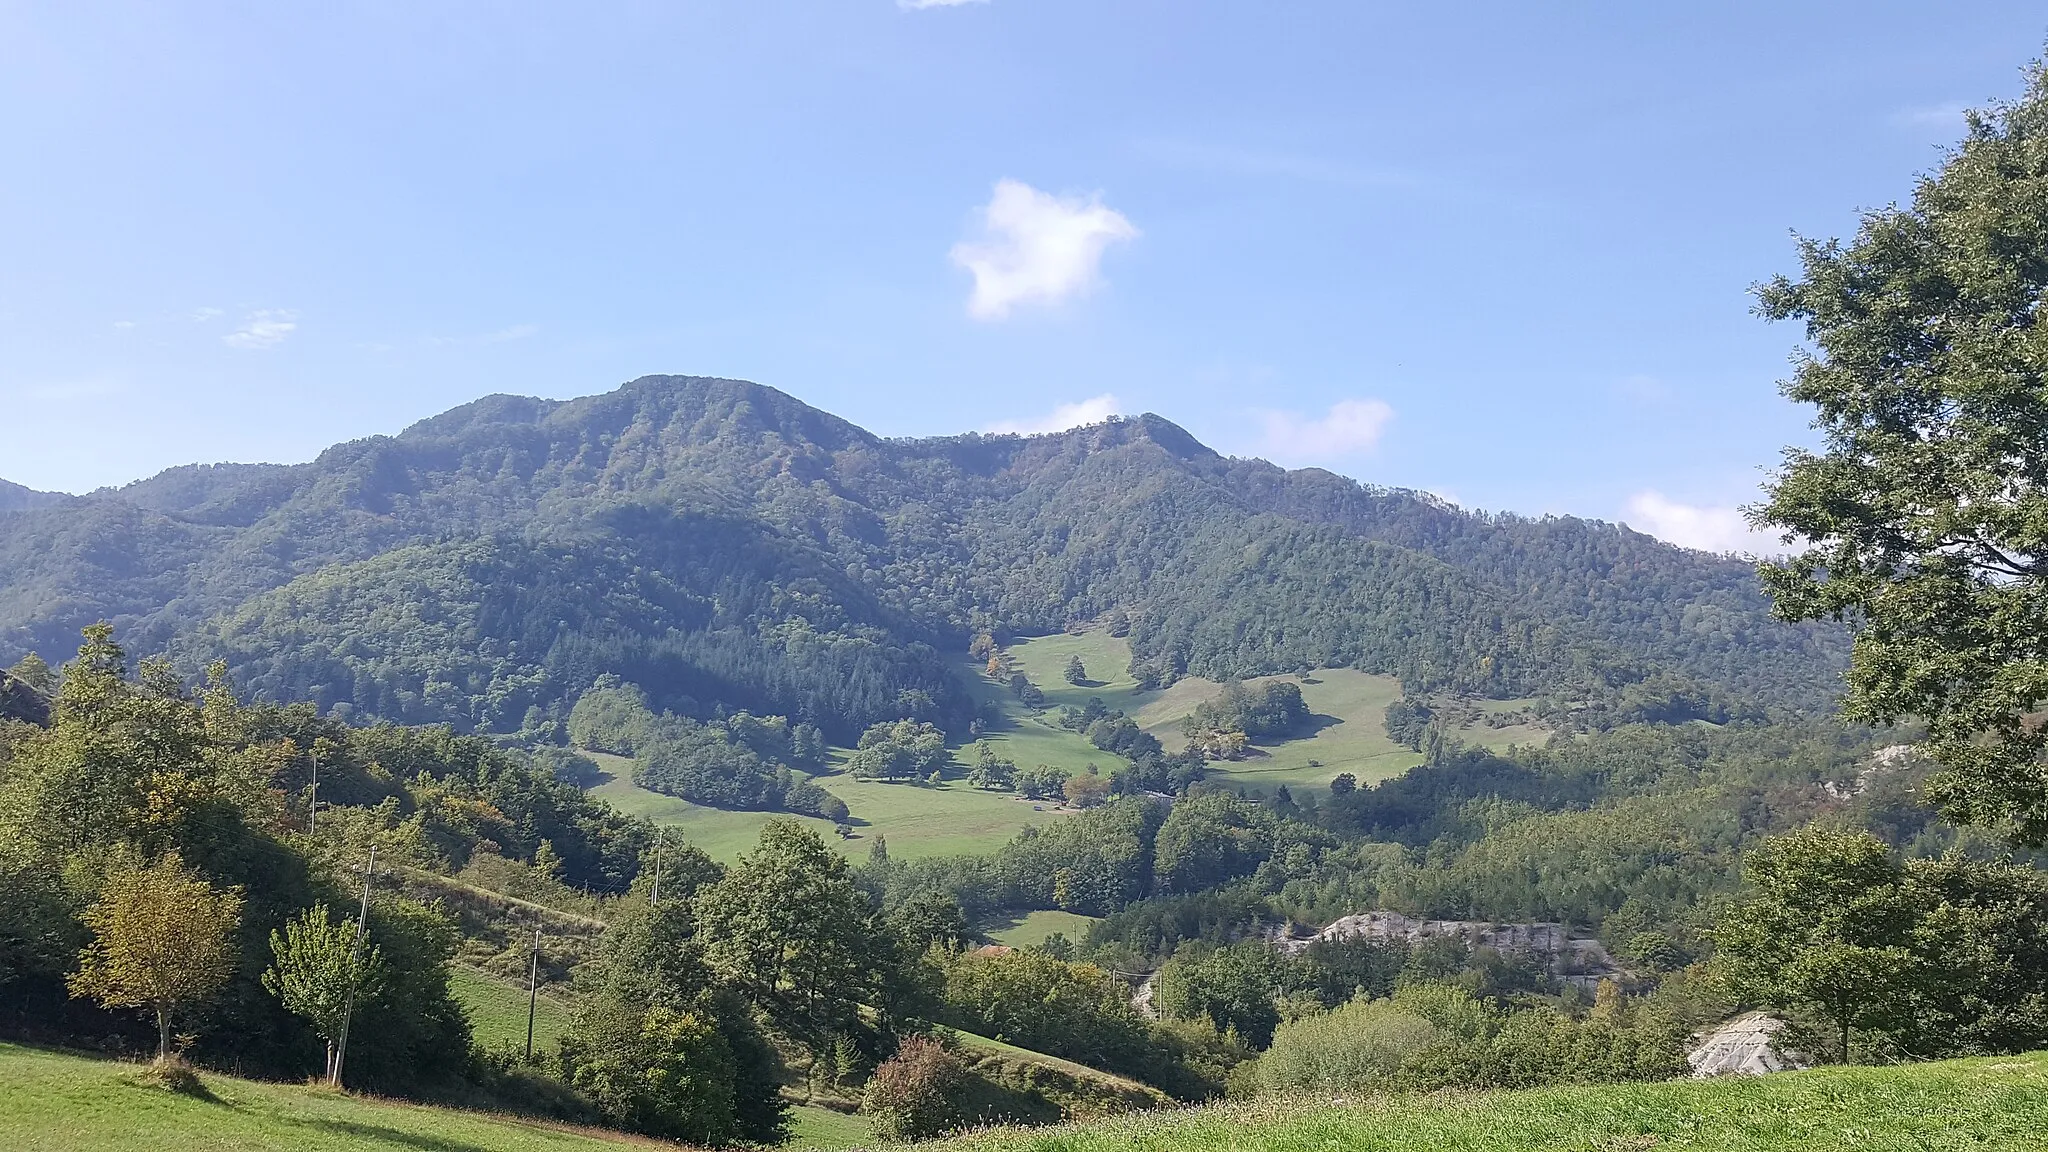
(124, 324)
(1349, 428)
(1950, 117)
(202, 315)
(915, 5)
(263, 328)
(1707, 527)
(1038, 248)
(1093, 410)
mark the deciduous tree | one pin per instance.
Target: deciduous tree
(1924, 515)
(163, 940)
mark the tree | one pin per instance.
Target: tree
(991, 770)
(1041, 783)
(787, 926)
(895, 750)
(163, 939)
(34, 672)
(1923, 514)
(654, 1069)
(1824, 925)
(1075, 671)
(1086, 789)
(1232, 986)
(319, 973)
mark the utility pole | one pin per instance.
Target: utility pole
(532, 987)
(362, 930)
(660, 839)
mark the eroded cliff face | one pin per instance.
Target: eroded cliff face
(1744, 1046)
(1578, 960)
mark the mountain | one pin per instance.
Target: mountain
(15, 498)
(723, 545)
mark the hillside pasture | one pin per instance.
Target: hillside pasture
(918, 819)
(1023, 929)
(497, 1010)
(58, 1102)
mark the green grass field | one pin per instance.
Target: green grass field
(1023, 929)
(497, 1011)
(1984, 1105)
(919, 820)
(812, 1127)
(955, 818)
(52, 1102)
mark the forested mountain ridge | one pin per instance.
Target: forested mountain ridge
(721, 543)
(14, 497)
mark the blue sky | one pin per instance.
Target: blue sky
(1501, 252)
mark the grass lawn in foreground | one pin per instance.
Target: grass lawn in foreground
(1990, 1104)
(55, 1102)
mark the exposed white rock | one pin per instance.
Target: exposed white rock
(1571, 959)
(1744, 1046)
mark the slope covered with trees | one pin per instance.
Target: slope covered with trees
(720, 544)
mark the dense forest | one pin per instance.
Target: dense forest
(721, 545)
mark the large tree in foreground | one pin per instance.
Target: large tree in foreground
(1924, 517)
(163, 941)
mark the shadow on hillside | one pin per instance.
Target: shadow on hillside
(1305, 730)
(391, 1137)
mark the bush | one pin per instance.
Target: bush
(1360, 1046)
(915, 1093)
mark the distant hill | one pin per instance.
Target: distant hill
(722, 544)
(15, 498)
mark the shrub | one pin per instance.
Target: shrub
(915, 1093)
(1359, 1046)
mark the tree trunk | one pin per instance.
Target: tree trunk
(330, 1062)
(163, 1033)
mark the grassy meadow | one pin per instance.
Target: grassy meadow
(54, 1102)
(953, 818)
(497, 1010)
(1989, 1104)
(918, 819)
(1022, 929)
(1350, 709)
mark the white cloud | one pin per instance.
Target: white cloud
(914, 5)
(1093, 410)
(124, 324)
(1350, 427)
(1040, 248)
(202, 315)
(1709, 528)
(263, 328)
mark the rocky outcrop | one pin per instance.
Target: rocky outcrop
(1744, 1046)
(1570, 959)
